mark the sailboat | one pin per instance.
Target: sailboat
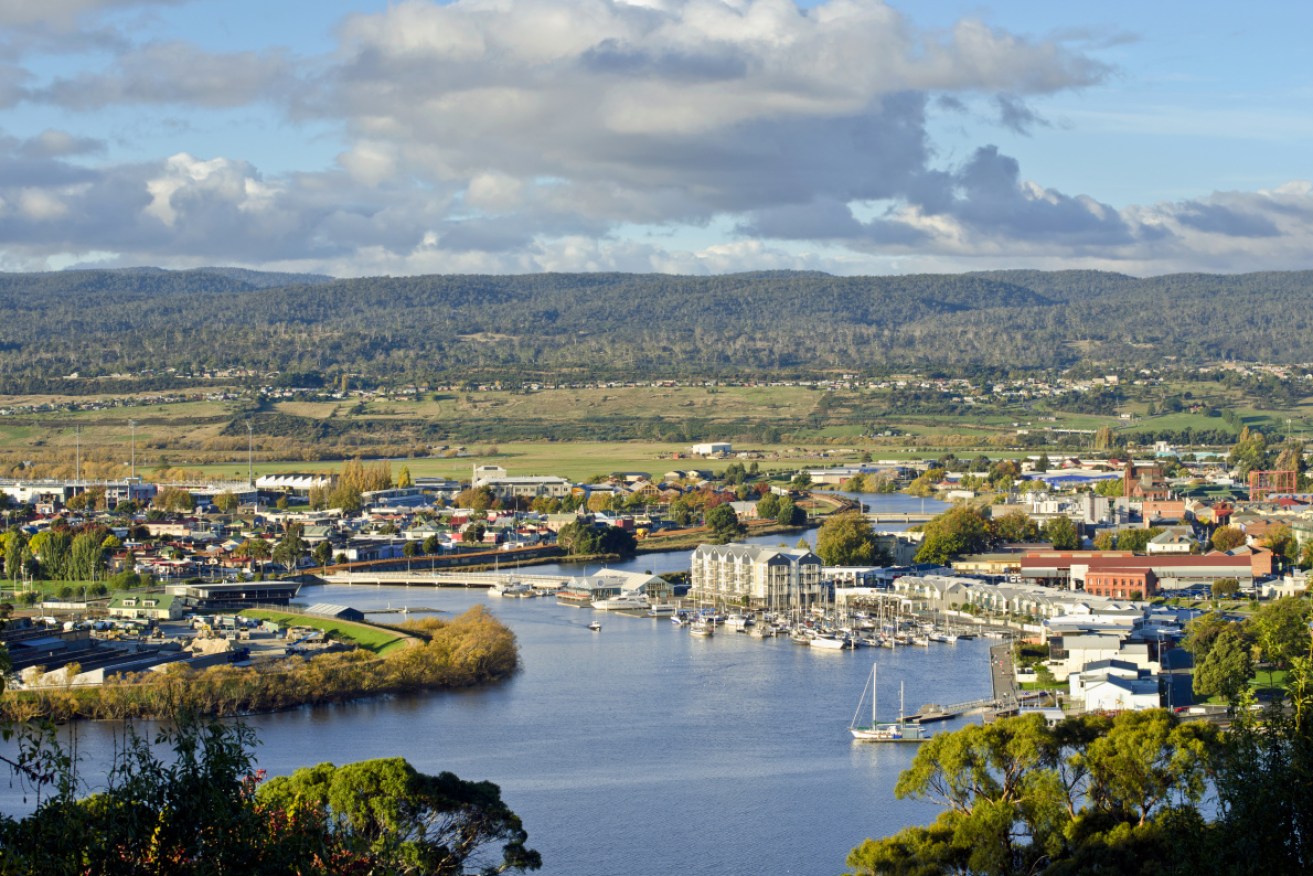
(888, 732)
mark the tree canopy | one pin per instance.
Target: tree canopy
(846, 539)
(206, 811)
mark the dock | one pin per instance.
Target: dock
(932, 713)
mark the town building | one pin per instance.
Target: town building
(756, 576)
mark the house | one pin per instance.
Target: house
(1115, 694)
(1171, 541)
(1144, 482)
(145, 606)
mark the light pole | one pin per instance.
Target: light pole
(133, 424)
(250, 453)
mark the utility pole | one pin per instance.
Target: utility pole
(133, 424)
(250, 453)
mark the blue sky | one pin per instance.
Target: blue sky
(686, 136)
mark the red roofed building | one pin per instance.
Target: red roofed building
(1072, 569)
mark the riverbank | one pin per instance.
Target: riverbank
(467, 651)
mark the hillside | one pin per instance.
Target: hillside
(562, 327)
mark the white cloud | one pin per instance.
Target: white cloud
(524, 135)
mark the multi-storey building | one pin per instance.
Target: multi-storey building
(756, 576)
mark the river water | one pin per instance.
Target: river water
(640, 749)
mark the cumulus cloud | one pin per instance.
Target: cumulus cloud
(522, 135)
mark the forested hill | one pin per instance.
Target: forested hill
(588, 326)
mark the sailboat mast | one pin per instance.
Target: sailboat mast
(874, 720)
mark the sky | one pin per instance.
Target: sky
(402, 137)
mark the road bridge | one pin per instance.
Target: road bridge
(453, 578)
(899, 516)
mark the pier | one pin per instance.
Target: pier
(932, 713)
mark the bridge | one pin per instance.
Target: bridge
(456, 578)
(900, 516)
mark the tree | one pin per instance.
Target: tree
(290, 548)
(959, 530)
(846, 539)
(175, 500)
(768, 506)
(477, 499)
(790, 514)
(1091, 795)
(203, 811)
(1225, 588)
(1137, 540)
(86, 557)
(226, 502)
(323, 552)
(1281, 630)
(1226, 669)
(1145, 760)
(1280, 540)
(724, 523)
(1227, 538)
(387, 812)
(404, 479)
(410, 549)
(1104, 540)
(1016, 526)
(253, 550)
(474, 533)
(1061, 533)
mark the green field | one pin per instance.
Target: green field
(580, 432)
(371, 638)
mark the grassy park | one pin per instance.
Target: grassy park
(371, 638)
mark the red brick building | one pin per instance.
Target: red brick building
(1122, 583)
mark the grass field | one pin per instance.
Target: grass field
(591, 425)
(371, 638)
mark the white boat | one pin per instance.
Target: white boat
(595, 626)
(512, 590)
(737, 623)
(829, 643)
(946, 638)
(898, 731)
(663, 609)
(623, 602)
(702, 627)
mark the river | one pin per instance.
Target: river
(641, 750)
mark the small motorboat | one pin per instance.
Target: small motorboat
(595, 626)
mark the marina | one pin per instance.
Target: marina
(695, 744)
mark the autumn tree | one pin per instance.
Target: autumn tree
(960, 530)
(1227, 538)
(1015, 526)
(846, 539)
